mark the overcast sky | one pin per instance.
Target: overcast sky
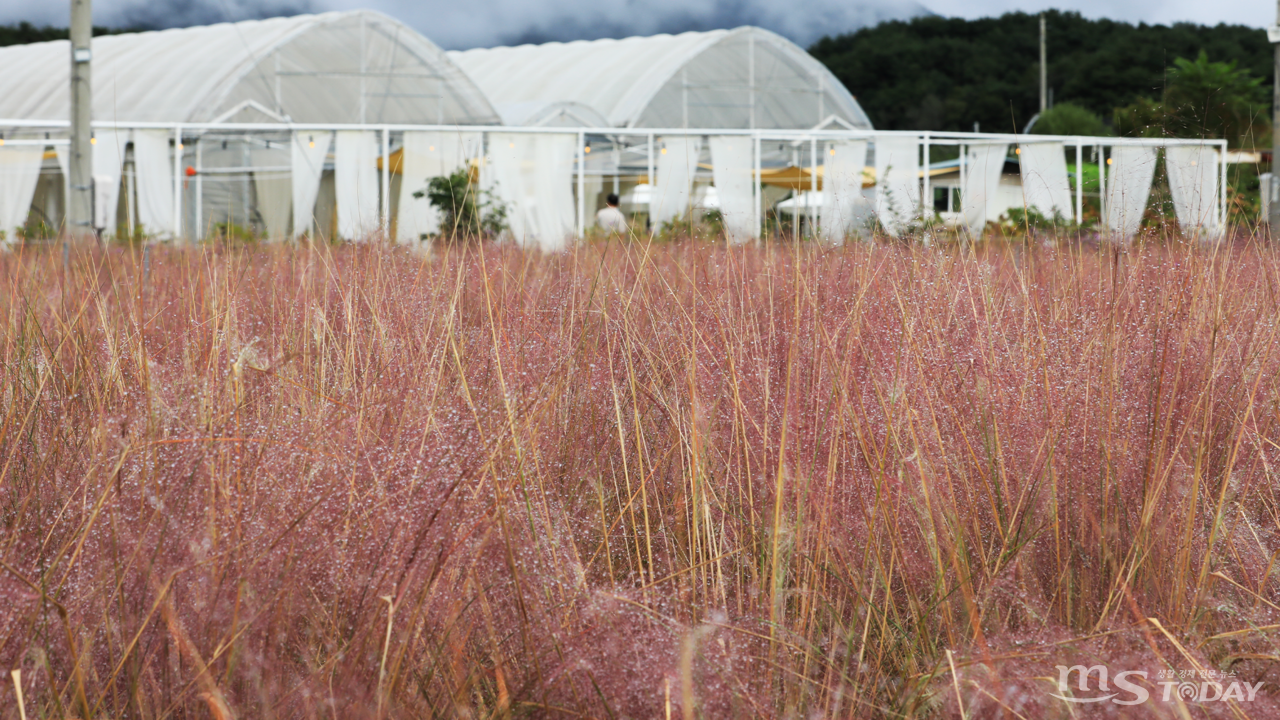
(478, 23)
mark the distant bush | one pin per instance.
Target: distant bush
(1069, 119)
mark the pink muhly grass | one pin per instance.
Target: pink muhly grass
(632, 480)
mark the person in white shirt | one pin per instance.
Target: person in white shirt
(610, 218)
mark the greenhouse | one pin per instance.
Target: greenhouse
(357, 67)
(745, 78)
(331, 126)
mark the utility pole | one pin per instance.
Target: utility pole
(80, 156)
(1044, 73)
(1273, 207)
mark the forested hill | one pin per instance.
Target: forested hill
(24, 33)
(935, 73)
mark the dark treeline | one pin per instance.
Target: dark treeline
(24, 33)
(936, 73)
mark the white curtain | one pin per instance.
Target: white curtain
(153, 164)
(355, 175)
(273, 187)
(842, 199)
(307, 160)
(677, 163)
(1128, 186)
(983, 167)
(532, 175)
(1193, 185)
(108, 164)
(1045, 186)
(19, 172)
(897, 181)
(732, 163)
(427, 155)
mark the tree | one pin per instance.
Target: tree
(464, 213)
(1069, 119)
(1202, 99)
(936, 73)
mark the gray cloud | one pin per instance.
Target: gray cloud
(185, 13)
(456, 24)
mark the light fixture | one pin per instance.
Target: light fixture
(1108, 161)
(431, 148)
(1017, 151)
(93, 141)
(180, 146)
(664, 151)
(587, 149)
(511, 144)
(312, 140)
(833, 152)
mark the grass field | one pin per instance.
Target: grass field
(635, 481)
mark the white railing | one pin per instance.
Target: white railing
(795, 137)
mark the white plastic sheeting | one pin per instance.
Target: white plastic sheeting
(694, 79)
(1193, 186)
(355, 175)
(108, 164)
(897, 181)
(426, 155)
(842, 200)
(1128, 187)
(309, 149)
(533, 177)
(983, 167)
(677, 162)
(732, 162)
(274, 188)
(19, 172)
(338, 67)
(1045, 186)
(153, 163)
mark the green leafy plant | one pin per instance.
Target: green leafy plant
(465, 212)
(1201, 99)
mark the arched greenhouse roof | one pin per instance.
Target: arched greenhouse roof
(338, 67)
(742, 78)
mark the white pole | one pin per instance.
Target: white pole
(964, 181)
(80, 152)
(1079, 183)
(1102, 187)
(926, 193)
(757, 192)
(1222, 191)
(653, 185)
(177, 182)
(582, 184)
(813, 187)
(198, 230)
(386, 181)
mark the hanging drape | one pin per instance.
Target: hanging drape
(1193, 187)
(532, 175)
(1045, 187)
(108, 164)
(733, 169)
(427, 155)
(19, 172)
(355, 175)
(307, 160)
(1128, 187)
(273, 187)
(153, 165)
(897, 182)
(983, 167)
(677, 163)
(842, 200)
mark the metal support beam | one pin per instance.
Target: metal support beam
(80, 156)
(177, 182)
(385, 180)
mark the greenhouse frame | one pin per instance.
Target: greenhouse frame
(207, 147)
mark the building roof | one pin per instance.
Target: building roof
(741, 78)
(338, 67)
